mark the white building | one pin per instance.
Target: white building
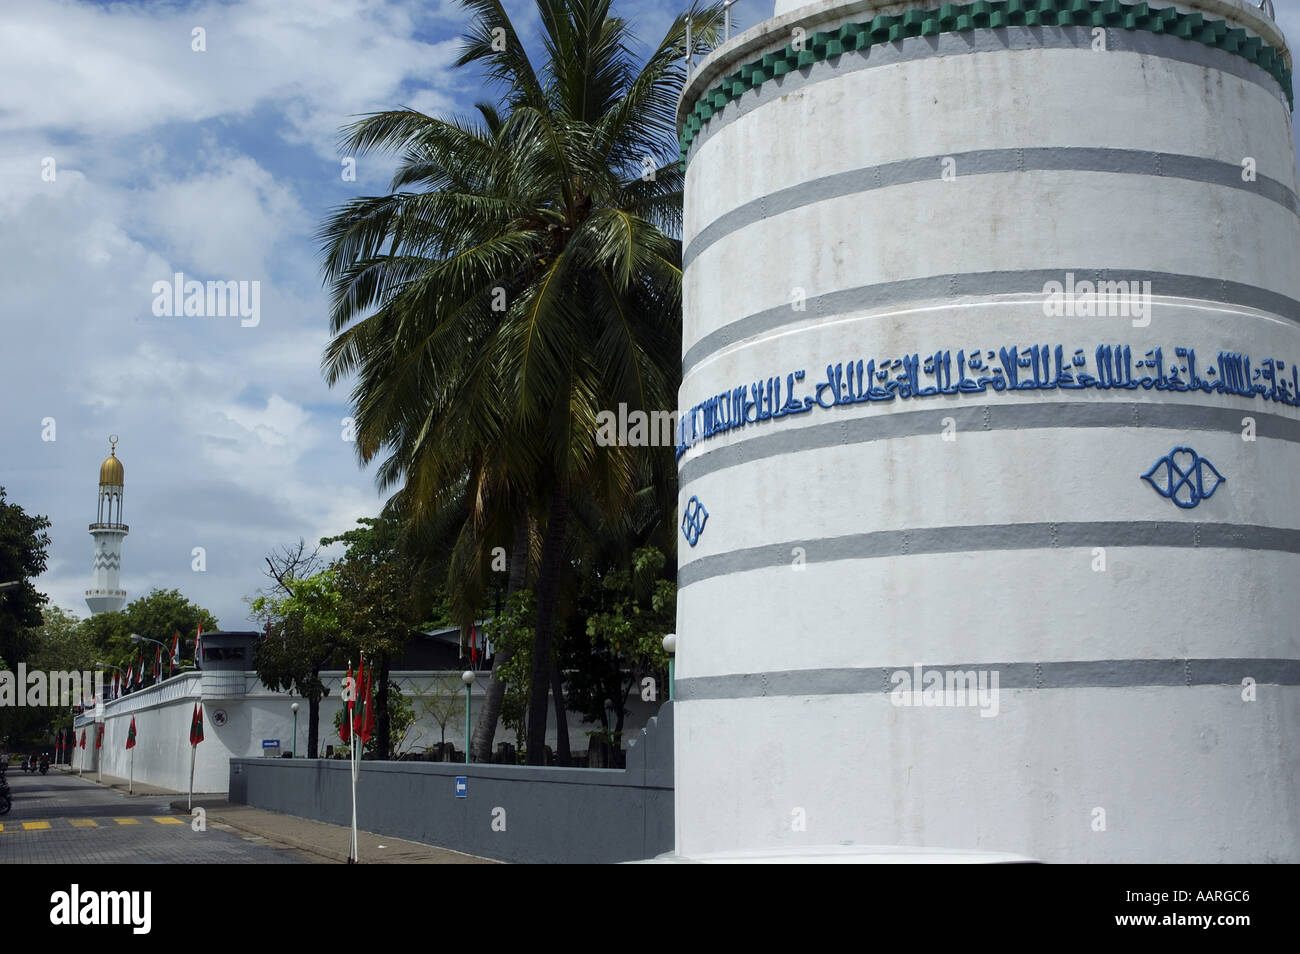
(245, 719)
(990, 365)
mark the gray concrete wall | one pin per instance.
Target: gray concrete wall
(548, 814)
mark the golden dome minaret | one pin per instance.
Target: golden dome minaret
(108, 531)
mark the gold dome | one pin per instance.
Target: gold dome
(110, 472)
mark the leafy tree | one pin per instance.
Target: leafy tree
(24, 551)
(522, 276)
(305, 636)
(159, 615)
(61, 643)
(628, 612)
(441, 702)
(511, 632)
(379, 605)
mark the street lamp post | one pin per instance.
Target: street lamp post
(294, 707)
(467, 677)
(670, 647)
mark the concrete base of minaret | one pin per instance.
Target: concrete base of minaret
(105, 601)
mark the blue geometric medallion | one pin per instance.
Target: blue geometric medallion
(693, 520)
(1184, 476)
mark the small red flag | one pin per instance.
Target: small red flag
(196, 725)
(345, 724)
(130, 735)
(82, 743)
(473, 644)
(99, 735)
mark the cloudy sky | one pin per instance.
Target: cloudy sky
(219, 164)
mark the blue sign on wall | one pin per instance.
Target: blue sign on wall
(462, 786)
(270, 743)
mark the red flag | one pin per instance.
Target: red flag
(99, 735)
(115, 684)
(473, 644)
(130, 735)
(359, 691)
(196, 725)
(82, 744)
(345, 724)
(198, 648)
(58, 741)
(139, 675)
(157, 664)
(176, 649)
(367, 727)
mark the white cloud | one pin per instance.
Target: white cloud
(124, 69)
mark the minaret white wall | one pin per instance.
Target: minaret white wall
(909, 452)
(108, 531)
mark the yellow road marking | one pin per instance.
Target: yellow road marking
(127, 821)
(2, 826)
(167, 820)
(83, 823)
(35, 825)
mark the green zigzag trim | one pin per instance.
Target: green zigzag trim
(985, 14)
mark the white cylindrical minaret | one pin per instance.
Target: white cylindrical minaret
(108, 531)
(991, 433)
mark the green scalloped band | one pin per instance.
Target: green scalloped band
(985, 14)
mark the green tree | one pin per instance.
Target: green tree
(627, 614)
(523, 275)
(24, 551)
(305, 636)
(380, 605)
(160, 615)
(61, 643)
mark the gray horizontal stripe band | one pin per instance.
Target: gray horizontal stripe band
(987, 162)
(1004, 536)
(1101, 673)
(992, 41)
(987, 417)
(938, 288)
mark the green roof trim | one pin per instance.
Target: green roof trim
(985, 14)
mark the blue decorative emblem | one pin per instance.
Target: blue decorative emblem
(1184, 476)
(693, 520)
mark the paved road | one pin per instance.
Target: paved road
(62, 819)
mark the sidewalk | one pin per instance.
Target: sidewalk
(324, 843)
(112, 781)
(320, 842)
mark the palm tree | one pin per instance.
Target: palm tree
(523, 274)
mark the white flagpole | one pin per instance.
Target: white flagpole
(193, 752)
(130, 788)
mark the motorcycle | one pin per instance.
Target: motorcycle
(45, 766)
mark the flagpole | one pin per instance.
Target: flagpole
(130, 788)
(193, 752)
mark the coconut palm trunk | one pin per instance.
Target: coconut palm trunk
(548, 587)
(494, 696)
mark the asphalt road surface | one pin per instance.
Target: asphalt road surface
(61, 819)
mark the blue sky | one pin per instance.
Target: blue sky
(219, 164)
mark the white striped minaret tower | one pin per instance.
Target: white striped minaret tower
(106, 593)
